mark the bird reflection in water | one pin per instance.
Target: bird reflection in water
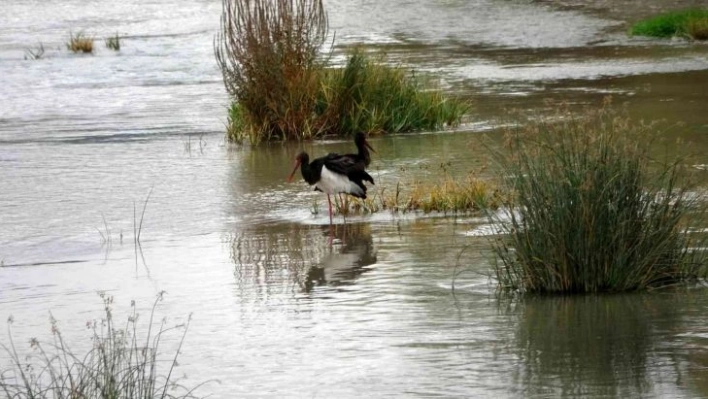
(351, 254)
(269, 260)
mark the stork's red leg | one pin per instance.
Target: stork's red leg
(329, 202)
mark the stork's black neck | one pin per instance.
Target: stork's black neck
(310, 172)
(363, 152)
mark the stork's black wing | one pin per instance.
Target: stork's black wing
(347, 166)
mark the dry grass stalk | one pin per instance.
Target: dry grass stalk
(80, 43)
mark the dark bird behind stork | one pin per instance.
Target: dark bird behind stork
(362, 158)
(333, 174)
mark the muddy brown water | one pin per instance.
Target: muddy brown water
(282, 305)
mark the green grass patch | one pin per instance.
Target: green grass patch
(285, 88)
(594, 210)
(122, 363)
(690, 23)
(80, 43)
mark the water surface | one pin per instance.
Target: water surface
(283, 305)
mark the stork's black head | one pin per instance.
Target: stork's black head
(362, 145)
(301, 159)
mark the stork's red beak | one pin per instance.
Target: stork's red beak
(366, 143)
(297, 164)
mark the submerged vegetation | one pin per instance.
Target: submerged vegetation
(690, 23)
(594, 211)
(123, 363)
(283, 88)
(35, 53)
(80, 43)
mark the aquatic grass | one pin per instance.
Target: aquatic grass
(123, 363)
(239, 130)
(691, 23)
(188, 144)
(35, 53)
(593, 210)
(563, 333)
(106, 238)
(113, 42)
(282, 86)
(80, 43)
(138, 228)
(470, 194)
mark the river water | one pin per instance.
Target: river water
(282, 305)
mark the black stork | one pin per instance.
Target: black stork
(333, 174)
(362, 158)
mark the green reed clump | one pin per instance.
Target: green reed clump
(113, 42)
(593, 211)
(367, 95)
(123, 363)
(691, 23)
(80, 43)
(269, 56)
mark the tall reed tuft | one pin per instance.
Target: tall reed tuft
(123, 363)
(593, 210)
(80, 43)
(268, 55)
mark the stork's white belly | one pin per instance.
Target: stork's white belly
(333, 183)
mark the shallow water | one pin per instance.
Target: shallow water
(282, 304)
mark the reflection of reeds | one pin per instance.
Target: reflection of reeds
(592, 346)
(121, 363)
